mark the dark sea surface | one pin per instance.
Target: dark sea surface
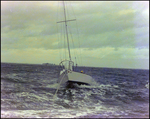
(27, 92)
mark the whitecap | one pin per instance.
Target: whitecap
(147, 85)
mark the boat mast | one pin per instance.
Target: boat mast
(66, 31)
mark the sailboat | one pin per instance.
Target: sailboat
(67, 74)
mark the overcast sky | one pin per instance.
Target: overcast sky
(110, 33)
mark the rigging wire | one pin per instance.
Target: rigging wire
(59, 47)
(74, 49)
(67, 16)
(61, 27)
(64, 41)
(67, 11)
(79, 44)
(78, 37)
(68, 26)
(63, 36)
(75, 54)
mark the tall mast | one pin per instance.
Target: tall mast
(66, 28)
(66, 31)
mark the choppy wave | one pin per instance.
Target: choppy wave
(28, 91)
(147, 85)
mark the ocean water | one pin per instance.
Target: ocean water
(27, 92)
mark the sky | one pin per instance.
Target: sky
(105, 34)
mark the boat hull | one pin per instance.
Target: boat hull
(79, 78)
(63, 78)
(75, 77)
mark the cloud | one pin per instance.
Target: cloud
(115, 26)
(110, 57)
(107, 30)
(102, 57)
(119, 53)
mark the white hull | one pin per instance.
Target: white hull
(79, 77)
(75, 77)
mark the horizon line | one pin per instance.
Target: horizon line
(77, 66)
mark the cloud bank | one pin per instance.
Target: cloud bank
(107, 32)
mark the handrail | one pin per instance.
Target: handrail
(66, 60)
(71, 63)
